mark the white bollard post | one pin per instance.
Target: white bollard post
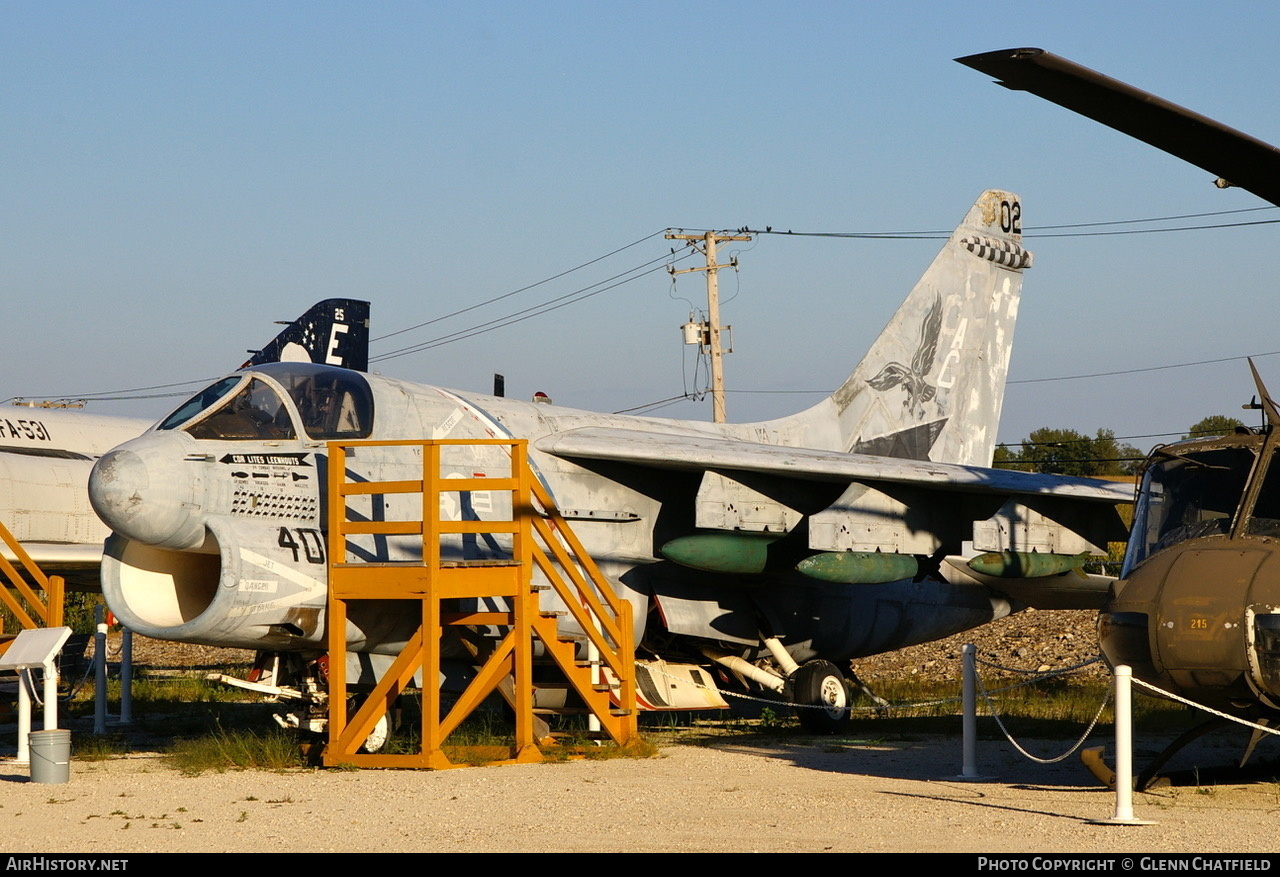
(969, 720)
(51, 694)
(1124, 742)
(1123, 676)
(126, 676)
(99, 671)
(970, 692)
(24, 716)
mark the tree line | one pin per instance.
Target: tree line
(1067, 452)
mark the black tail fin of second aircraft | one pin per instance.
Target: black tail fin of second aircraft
(333, 332)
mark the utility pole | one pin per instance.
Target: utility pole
(708, 249)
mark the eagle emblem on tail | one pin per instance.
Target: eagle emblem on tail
(912, 379)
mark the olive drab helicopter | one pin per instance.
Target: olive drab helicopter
(1196, 610)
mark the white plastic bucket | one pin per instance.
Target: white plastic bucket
(50, 756)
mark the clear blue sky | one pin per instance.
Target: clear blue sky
(177, 176)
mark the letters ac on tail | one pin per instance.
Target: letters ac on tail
(46, 453)
(795, 544)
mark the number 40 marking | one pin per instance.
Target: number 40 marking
(309, 541)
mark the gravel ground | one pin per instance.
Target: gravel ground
(729, 793)
(839, 795)
(1029, 640)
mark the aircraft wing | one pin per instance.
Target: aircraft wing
(667, 451)
(56, 556)
(1229, 154)
(884, 506)
(78, 564)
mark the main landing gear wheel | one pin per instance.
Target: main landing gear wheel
(821, 684)
(381, 731)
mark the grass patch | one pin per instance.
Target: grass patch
(166, 706)
(166, 690)
(488, 737)
(476, 754)
(1057, 708)
(637, 748)
(231, 729)
(157, 689)
(99, 747)
(1062, 703)
(273, 749)
(568, 749)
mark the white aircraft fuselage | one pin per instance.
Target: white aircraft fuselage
(45, 458)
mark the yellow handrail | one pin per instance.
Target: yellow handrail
(47, 612)
(541, 539)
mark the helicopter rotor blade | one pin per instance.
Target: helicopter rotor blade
(1268, 404)
(1234, 157)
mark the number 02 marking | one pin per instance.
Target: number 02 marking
(1011, 217)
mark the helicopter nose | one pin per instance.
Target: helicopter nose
(146, 492)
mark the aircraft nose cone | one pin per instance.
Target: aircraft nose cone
(141, 494)
(115, 487)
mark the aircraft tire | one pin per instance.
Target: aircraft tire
(381, 730)
(820, 683)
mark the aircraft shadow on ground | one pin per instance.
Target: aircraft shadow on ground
(931, 749)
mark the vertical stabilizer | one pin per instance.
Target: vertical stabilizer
(931, 386)
(333, 332)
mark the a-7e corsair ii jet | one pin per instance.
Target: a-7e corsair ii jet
(46, 453)
(783, 548)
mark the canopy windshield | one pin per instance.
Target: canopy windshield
(1188, 496)
(327, 403)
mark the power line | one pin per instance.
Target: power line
(1096, 234)
(1031, 464)
(119, 395)
(1156, 218)
(1041, 231)
(654, 406)
(1108, 374)
(1153, 368)
(577, 295)
(521, 289)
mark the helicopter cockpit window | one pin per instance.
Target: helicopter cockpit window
(334, 403)
(1264, 518)
(1188, 496)
(255, 412)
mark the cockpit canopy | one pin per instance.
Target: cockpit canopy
(327, 403)
(1203, 491)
